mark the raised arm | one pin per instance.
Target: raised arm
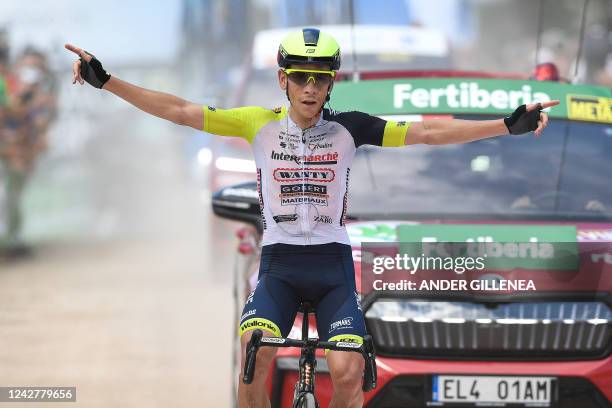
(161, 104)
(450, 131)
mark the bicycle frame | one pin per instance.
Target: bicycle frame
(308, 362)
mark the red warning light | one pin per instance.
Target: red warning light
(546, 72)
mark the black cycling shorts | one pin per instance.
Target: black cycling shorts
(321, 274)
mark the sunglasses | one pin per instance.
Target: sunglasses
(301, 77)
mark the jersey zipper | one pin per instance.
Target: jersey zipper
(304, 207)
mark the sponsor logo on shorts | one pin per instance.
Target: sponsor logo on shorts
(344, 323)
(358, 300)
(250, 297)
(325, 175)
(247, 314)
(347, 338)
(347, 344)
(258, 323)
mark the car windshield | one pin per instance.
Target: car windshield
(565, 174)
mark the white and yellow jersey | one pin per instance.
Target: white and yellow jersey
(303, 175)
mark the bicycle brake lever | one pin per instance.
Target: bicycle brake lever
(251, 356)
(369, 355)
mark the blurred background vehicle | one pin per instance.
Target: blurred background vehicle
(507, 189)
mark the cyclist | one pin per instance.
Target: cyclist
(303, 155)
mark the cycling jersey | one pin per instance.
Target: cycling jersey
(303, 175)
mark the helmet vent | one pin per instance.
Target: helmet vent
(311, 36)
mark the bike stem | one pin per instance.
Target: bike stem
(308, 362)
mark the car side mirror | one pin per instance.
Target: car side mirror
(239, 202)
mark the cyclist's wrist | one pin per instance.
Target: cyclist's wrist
(111, 84)
(500, 127)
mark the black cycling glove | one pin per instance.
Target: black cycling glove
(93, 73)
(522, 121)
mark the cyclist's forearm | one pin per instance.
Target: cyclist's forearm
(449, 131)
(160, 104)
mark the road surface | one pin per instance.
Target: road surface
(128, 296)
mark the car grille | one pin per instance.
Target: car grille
(412, 391)
(440, 329)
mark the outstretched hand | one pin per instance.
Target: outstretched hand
(87, 68)
(76, 65)
(543, 122)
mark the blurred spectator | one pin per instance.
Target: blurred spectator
(30, 110)
(4, 61)
(4, 70)
(604, 75)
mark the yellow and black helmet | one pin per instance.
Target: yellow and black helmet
(309, 46)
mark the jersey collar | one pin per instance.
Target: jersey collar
(293, 126)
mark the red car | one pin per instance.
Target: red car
(546, 342)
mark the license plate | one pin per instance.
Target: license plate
(492, 389)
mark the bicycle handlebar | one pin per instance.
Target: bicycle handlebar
(366, 350)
